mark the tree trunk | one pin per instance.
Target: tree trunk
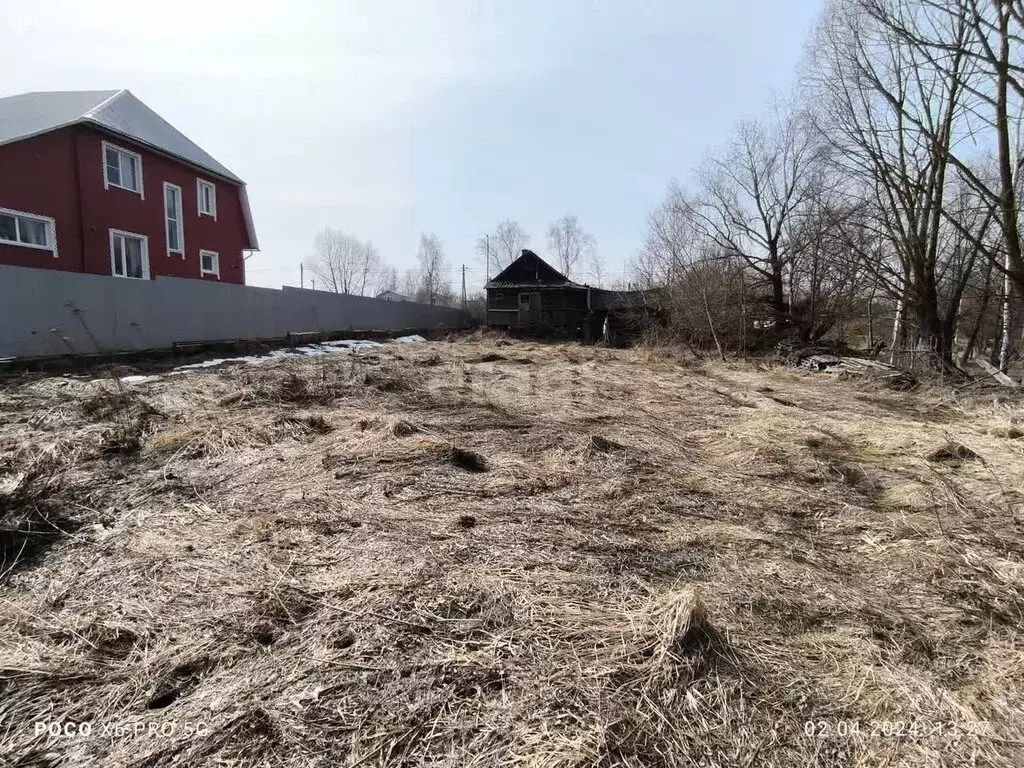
(711, 323)
(1014, 263)
(743, 315)
(934, 336)
(972, 341)
(898, 331)
(779, 300)
(956, 326)
(871, 314)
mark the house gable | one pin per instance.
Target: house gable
(530, 269)
(120, 114)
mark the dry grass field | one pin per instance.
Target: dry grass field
(493, 553)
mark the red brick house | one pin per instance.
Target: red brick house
(96, 181)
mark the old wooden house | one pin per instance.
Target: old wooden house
(531, 297)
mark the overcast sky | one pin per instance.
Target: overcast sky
(391, 117)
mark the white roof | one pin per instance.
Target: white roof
(32, 114)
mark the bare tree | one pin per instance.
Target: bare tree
(895, 191)
(752, 194)
(334, 260)
(410, 283)
(597, 268)
(671, 236)
(570, 244)
(368, 266)
(874, 92)
(976, 43)
(342, 263)
(387, 279)
(825, 283)
(703, 288)
(434, 286)
(502, 246)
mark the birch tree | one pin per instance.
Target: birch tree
(502, 246)
(434, 286)
(597, 267)
(343, 263)
(570, 244)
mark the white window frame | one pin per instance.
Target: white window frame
(138, 160)
(200, 183)
(145, 254)
(216, 263)
(180, 250)
(51, 231)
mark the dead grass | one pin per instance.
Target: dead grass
(30, 517)
(552, 556)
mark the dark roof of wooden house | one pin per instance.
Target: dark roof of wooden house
(601, 298)
(530, 270)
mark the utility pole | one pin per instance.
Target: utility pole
(488, 240)
(463, 287)
(302, 278)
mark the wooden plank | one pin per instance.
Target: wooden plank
(995, 373)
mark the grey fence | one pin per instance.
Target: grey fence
(44, 312)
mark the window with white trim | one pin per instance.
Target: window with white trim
(209, 263)
(17, 228)
(207, 193)
(121, 168)
(175, 227)
(129, 255)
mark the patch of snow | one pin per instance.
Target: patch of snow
(340, 347)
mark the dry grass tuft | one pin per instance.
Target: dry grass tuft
(600, 444)
(952, 451)
(32, 517)
(430, 360)
(232, 398)
(130, 416)
(314, 422)
(471, 461)
(882, 380)
(109, 402)
(295, 388)
(401, 428)
(389, 379)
